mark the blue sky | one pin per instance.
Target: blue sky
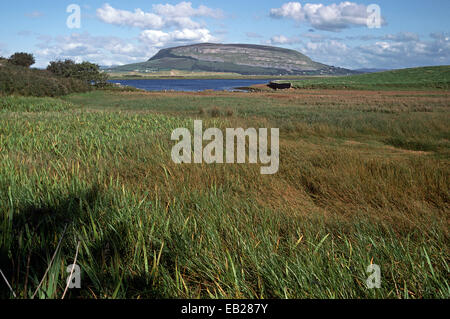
(412, 33)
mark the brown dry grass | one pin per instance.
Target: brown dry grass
(364, 176)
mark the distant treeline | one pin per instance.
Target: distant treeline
(60, 77)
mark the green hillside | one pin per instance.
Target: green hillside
(243, 59)
(437, 77)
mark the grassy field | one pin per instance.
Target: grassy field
(417, 78)
(364, 178)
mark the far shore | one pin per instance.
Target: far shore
(202, 76)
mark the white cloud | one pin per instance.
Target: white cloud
(167, 24)
(138, 18)
(163, 16)
(333, 17)
(402, 37)
(441, 36)
(110, 50)
(390, 51)
(164, 26)
(182, 22)
(159, 38)
(331, 52)
(184, 9)
(283, 40)
(85, 47)
(155, 37)
(409, 53)
(316, 37)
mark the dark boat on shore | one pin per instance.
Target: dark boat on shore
(280, 86)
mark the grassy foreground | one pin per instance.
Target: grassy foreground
(364, 178)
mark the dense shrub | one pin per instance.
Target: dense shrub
(85, 71)
(22, 59)
(33, 82)
(120, 88)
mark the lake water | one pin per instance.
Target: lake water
(190, 85)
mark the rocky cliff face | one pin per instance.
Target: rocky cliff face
(237, 58)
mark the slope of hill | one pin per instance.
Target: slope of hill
(243, 59)
(371, 70)
(435, 77)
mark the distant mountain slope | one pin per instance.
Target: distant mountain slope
(244, 59)
(371, 70)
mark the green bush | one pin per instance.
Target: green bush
(121, 88)
(22, 59)
(19, 80)
(85, 71)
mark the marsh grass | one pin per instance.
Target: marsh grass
(350, 191)
(33, 104)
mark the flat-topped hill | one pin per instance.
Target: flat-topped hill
(246, 59)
